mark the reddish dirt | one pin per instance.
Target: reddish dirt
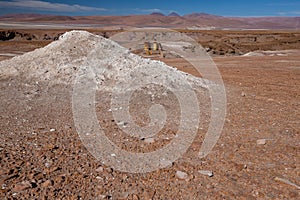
(216, 42)
(262, 103)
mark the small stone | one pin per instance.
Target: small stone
(240, 167)
(22, 186)
(181, 175)
(123, 195)
(120, 123)
(46, 184)
(102, 196)
(206, 172)
(3, 187)
(99, 169)
(287, 182)
(52, 130)
(135, 197)
(261, 142)
(149, 140)
(243, 94)
(47, 164)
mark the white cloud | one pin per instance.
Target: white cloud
(295, 12)
(151, 10)
(47, 6)
(290, 13)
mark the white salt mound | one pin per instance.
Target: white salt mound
(75, 51)
(253, 54)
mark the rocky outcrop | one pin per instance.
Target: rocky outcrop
(7, 35)
(15, 35)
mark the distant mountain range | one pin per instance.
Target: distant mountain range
(173, 20)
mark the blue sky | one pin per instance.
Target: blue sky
(121, 7)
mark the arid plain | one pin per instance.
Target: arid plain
(256, 157)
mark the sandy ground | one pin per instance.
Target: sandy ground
(42, 156)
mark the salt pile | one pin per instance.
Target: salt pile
(75, 51)
(253, 54)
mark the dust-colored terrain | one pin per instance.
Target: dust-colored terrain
(216, 42)
(256, 157)
(189, 21)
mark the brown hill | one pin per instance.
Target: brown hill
(173, 14)
(191, 21)
(157, 14)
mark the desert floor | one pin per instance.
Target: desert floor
(256, 157)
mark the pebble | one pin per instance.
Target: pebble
(102, 196)
(123, 195)
(22, 186)
(52, 130)
(99, 169)
(46, 184)
(261, 142)
(243, 94)
(181, 175)
(287, 182)
(121, 123)
(135, 197)
(206, 172)
(47, 164)
(149, 140)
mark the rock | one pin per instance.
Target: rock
(261, 142)
(240, 167)
(287, 182)
(47, 183)
(123, 195)
(181, 175)
(99, 169)
(48, 164)
(135, 197)
(149, 140)
(102, 196)
(22, 186)
(120, 123)
(3, 187)
(123, 124)
(52, 130)
(206, 172)
(243, 94)
(253, 54)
